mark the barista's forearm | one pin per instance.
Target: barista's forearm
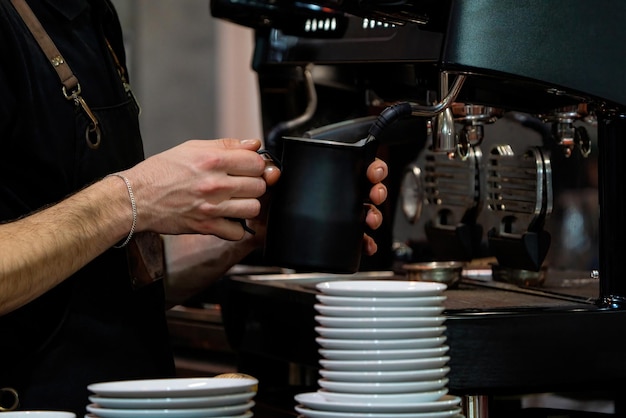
(41, 250)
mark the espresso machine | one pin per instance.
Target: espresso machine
(553, 69)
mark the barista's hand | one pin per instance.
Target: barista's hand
(197, 186)
(258, 224)
(376, 173)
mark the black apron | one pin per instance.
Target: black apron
(94, 326)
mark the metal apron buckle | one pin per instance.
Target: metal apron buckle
(9, 399)
(93, 134)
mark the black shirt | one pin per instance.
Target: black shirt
(93, 327)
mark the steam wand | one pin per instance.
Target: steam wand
(272, 137)
(399, 110)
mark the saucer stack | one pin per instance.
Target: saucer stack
(383, 352)
(180, 398)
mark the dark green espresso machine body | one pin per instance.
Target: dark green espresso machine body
(535, 57)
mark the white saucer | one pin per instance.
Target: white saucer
(386, 376)
(388, 344)
(313, 413)
(385, 399)
(383, 354)
(380, 333)
(379, 322)
(377, 288)
(315, 400)
(172, 403)
(219, 411)
(378, 311)
(400, 301)
(248, 414)
(38, 414)
(382, 387)
(384, 365)
(162, 388)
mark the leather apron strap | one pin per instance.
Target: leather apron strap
(67, 77)
(71, 86)
(146, 258)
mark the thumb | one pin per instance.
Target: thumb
(232, 143)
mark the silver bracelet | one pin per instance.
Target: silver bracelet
(134, 207)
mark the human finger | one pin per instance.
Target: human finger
(232, 143)
(230, 208)
(377, 171)
(369, 245)
(236, 162)
(378, 193)
(374, 218)
(271, 174)
(233, 187)
(226, 219)
(230, 229)
(233, 156)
